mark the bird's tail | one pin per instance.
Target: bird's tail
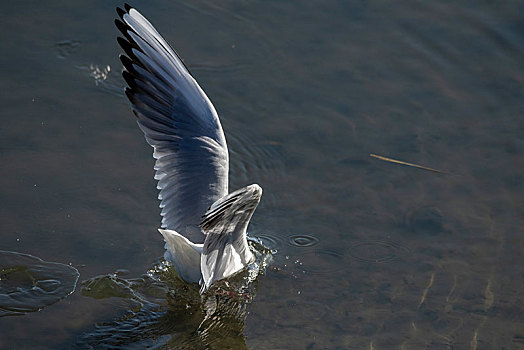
(184, 254)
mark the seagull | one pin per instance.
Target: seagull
(204, 226)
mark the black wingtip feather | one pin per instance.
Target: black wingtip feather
(122, 41)
(122, 27)
(129, 78)
(128, 47)
(131, 96)
(135, 100)
(127, 63)
(120, 12)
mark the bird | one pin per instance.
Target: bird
(204, 227)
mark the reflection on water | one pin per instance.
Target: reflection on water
(165, 311)
(28, 284)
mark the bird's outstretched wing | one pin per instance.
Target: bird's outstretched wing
(178, 120)
(225, 249)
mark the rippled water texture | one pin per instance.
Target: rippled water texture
(165, 311)
(387, 137)
(28, 284)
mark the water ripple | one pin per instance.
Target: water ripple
(166, 312)
(270, 241)
(376, 251)
(302, 240)
(66, 48)
(28, 284)
(320, 261)
(252, 160)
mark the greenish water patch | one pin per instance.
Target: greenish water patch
(165, 311)
(28, 284)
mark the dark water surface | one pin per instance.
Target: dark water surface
(370, 254)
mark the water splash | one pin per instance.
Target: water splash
(104, 78)
(268, 240)
(166, 312)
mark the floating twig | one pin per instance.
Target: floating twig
(406, 163)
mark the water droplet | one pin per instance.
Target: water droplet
(321, 261)
(268, 240)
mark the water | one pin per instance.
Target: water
(369, 254)
(28, 284)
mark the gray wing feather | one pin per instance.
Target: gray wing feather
(225, 250)
(179, 121)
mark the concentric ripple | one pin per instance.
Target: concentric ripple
(268, 240)
(252, 159)
(320, 261)
(302, 240)
(28, 283)
(376, 251)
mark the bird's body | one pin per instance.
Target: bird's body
(204, 227)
